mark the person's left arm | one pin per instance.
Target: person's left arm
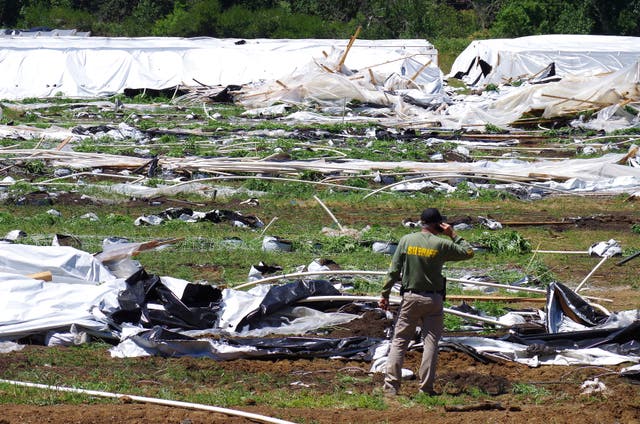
(393, 275)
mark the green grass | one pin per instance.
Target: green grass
(531, 392)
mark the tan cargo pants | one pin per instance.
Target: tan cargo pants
(424, 310)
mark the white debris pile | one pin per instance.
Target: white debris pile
(327, 82)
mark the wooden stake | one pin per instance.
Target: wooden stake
(326, 68)
(346, 51)
(632, 152)
(422, 68)
(64, 143)
(572, 99)
(373, 79)
(44, 276)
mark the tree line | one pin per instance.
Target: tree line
(379, 19)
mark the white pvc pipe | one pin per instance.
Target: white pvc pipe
(157, 401)
(502, 286)
(353, 272)
(573, 252)
(397, 300)
(526, 289)
(590, 274)
(306, 274)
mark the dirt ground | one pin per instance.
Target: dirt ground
(457, 373)
(558, 398)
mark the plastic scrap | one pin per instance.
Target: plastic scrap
(606, 249)
(188, 215)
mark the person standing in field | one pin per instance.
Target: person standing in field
(418, 262)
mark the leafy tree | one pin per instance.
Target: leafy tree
(574, 18)
(416, 19)
(56, 16)
(249, 4)
(526, 17)
(9, 10)
(617, 16)
(486, 11)
(332, 10)
(520, 18)
(629, 19)
(190, 19)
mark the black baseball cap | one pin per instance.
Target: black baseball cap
(432, 216)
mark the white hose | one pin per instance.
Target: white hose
(157, 401)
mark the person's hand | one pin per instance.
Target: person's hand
(447, 230)
(384, 303)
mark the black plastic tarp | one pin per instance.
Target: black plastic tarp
(161, 341)
(563, 302)
(279, 297)
(622, 341)
(197, 309)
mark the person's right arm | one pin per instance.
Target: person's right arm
(460, 249)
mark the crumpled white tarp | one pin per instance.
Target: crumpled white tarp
(20, 132)
(101, 66)
(572, 94)
(518, 353)
(236, 304)
(81, 293)
(526, 57)
(323, 82)
(30, 306)
(67, 264)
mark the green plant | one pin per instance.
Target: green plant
(20, 187)
(35, 166)
(494, 129)
(492, 87)
(153, 182)
(530, 392)
(453, 322)
(493, 309)
(506, 241)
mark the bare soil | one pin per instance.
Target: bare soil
(559, 397)
(460, 380)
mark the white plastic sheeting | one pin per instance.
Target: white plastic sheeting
(30, 306)
(83, 293)
(324, 82)
(236, 304)
(526, 57)
(518, 353)
(99, 66)
(67, 265)
(571, 94)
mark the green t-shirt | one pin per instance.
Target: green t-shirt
(419, 258)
